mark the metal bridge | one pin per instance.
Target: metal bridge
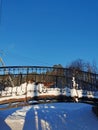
(29, 83)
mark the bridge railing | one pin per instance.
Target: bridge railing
(14, 76)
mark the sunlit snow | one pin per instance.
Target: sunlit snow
(53, 116)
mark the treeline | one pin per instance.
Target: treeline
(82, 65)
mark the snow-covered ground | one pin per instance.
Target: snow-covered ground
(53, 116)
(31, 90)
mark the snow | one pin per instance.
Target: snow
(31, 90)
(52, 116)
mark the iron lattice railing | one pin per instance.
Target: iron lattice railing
(16, 75)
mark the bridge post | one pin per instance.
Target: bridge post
(74, 90)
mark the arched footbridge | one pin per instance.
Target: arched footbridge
(47, 84)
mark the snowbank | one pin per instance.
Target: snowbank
(30, 90)
(53, 116)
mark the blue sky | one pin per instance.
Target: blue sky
(48, 32)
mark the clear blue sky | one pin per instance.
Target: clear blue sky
(48, 32)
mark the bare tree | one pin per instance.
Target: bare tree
(81, 65)
(78, 64)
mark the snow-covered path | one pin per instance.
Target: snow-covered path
(53, 116)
